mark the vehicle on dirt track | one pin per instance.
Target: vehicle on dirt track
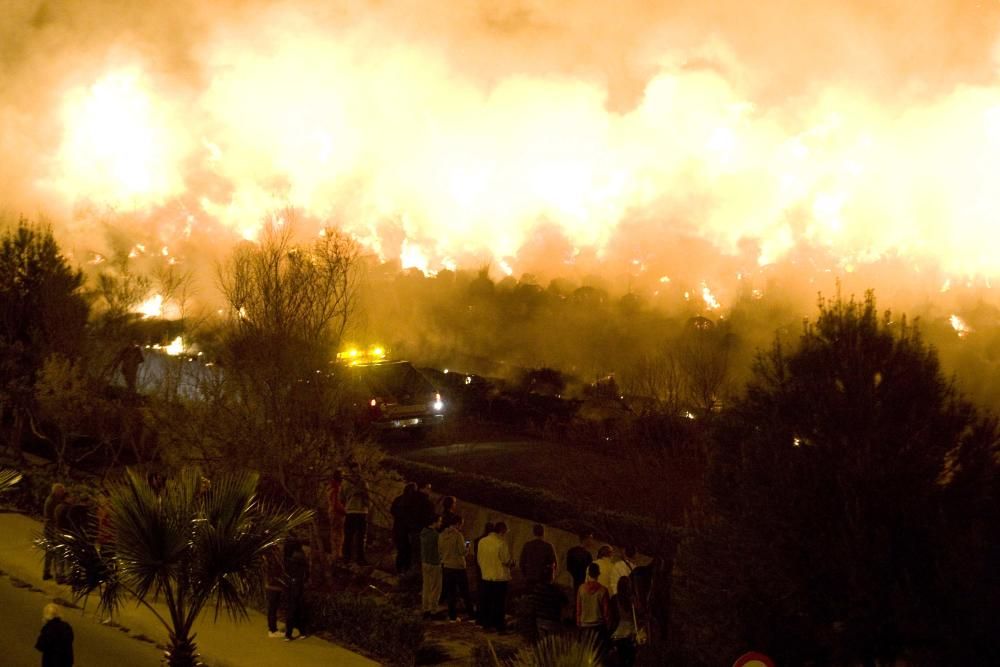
(393, 395)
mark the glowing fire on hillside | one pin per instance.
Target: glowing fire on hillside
(960, 326)
(439, 162)
(849, 176)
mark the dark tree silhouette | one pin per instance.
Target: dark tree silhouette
(849, 516)
(42, 311)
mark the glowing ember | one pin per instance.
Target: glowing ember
(151, 307)
(176, 347)
(960, 326)
(710, 301)
(412, 257)
(157, 306)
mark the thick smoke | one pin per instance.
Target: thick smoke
(660, 148)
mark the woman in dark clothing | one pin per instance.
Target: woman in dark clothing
(274, 585)
(402, 518)
(296, 573)
(623, 637)
(55, 641)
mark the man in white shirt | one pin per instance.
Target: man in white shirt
(495, 562)
(622, 568)
(603, 561)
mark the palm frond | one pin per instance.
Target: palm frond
(151, 535)
(8, 479)
(567, 650)
(87, 570)
(193, 544)
(232, 543)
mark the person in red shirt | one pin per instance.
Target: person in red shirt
(593, 613)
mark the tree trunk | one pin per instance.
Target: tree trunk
(17, 436)
(182, 652)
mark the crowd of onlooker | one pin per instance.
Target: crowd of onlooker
(607, 598)
(65, 512)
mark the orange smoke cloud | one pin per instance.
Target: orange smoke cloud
(448, 137)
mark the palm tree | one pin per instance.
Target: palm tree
(190, 546)
(8, 479)
(565, 650)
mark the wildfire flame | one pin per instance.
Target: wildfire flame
(176, 347)
(151, 307)
(158, 306)
(960, 326)
(710, 301)
(427, 161)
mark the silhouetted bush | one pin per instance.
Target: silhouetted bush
(540, 505)
(482, 656)
(389, 632)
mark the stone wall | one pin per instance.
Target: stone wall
(519, 530)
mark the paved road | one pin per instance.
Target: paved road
(223, 643)
(95, 645)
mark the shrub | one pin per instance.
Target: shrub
(483, 654)
(566, 650)
(389, 632)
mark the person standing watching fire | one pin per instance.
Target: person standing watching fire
(52, 502)
(130, 358)
(355, 497)
(495, 562)
(430, 560)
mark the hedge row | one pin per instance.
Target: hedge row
(540, 505)
(385, 630)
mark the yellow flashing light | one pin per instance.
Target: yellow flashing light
(354, 356)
